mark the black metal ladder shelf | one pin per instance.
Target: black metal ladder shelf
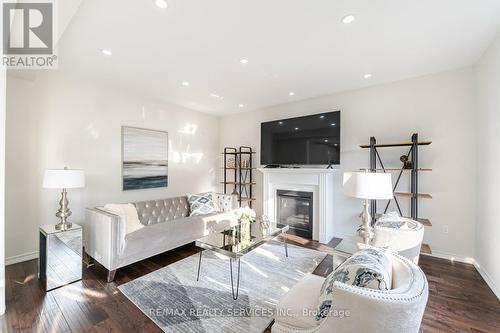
(242, 177)
(414, 194)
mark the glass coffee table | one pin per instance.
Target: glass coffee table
(234, 244)
(346, 248)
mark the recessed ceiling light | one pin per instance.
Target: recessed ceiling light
(216, 96)
(333, 124)
(348, 19)
(291, 93)
(336, 145)
(322, 116)
(161, 4)
(106, 52)
(296, 128)
(185, 84)
(326, 140)
(368, 76)
(241, 105)
(280, 122)
(244, 61)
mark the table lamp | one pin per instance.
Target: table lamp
(367, 186)
(63, 179)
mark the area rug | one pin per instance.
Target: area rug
(176, 302)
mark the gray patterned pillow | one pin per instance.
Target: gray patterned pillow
(368, 268)
(201, 204)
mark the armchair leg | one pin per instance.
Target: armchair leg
(111, 276)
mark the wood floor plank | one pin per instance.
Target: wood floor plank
(459, 299)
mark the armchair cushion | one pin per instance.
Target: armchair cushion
(368, 268)
(299, 308)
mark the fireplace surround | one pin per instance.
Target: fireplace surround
(319, 182)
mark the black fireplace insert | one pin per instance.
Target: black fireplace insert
(295, 208)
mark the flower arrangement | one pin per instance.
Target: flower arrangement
(247, 214)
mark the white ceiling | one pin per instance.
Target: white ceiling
(292, 45)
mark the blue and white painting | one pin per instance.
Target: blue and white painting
(145, 158)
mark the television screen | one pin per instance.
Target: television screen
(309, 140)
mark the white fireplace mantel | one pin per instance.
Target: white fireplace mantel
(318, 181)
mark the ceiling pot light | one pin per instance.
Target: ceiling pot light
(106, 52)
(244, 61)
(348, 19)
(333, 124)
(161, 4)
(291, 93)
(185, 84)
(216, 96)
(368, 76)
(241, 105)
(296, 128)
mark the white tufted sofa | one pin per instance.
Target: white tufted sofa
(167, 226)
(358, 309)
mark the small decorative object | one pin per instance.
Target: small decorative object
(231, 163)
(367, 186)
(63, 179)
(144, 158)
(247, 217)
(407, 164)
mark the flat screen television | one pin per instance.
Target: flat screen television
(309, 140)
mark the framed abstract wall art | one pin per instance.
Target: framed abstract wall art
(144, 158)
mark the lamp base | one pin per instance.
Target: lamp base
(63, 226)
(63, 213)
(365, 230)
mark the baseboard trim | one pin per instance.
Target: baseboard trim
(489, 281)
(20, 258)
(450, 257)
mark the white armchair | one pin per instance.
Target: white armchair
(356, 309)
(403, 236)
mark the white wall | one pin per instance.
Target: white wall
(439, 107)
(2, 186)
(54, 122)
(488, 157)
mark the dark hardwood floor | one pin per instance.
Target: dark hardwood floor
(459, 301)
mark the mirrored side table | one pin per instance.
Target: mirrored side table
(60, 259)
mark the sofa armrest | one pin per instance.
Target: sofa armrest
(101, 232)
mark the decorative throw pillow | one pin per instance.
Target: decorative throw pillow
(201, 204)
(368, 268)
(223, 202)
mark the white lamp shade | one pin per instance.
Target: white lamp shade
(368, 185)
(64, 178)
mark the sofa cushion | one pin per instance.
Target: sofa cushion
(368, 268)
(201, 204)
(158, 211)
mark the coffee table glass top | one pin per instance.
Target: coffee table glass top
(346, 247)
(235, 242)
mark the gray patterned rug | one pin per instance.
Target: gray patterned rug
(176, 302)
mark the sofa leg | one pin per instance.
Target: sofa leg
(87, 260)
(111, 276)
